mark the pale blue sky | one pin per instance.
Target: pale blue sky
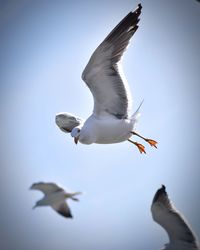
(44, 47)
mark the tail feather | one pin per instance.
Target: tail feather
(77, 193)
(74, 194)
(137, 113)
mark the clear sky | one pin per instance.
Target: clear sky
(44, 47)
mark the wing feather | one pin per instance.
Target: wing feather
(66, 121)
(103, 74)
(166, 215)
(63, 209)
(47, 188)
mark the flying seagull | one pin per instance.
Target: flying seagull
(164, 213)
(110, 121)
(55, 197)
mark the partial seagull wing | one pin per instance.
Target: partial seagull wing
(66, 121)
(47, 188)
(166, 215)
(103, 74)
(63, 209)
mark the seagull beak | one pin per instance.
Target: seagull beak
(76, 140)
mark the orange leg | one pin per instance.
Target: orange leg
(150, 141)
(139, 146)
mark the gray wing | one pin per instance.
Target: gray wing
(63, 209)
(66, 121)
(103, 74)
(166, 215)
(46, 188)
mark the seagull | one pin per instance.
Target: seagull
(110, 121)
(55, 197)
(165, 214)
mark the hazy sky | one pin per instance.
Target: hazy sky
(44, 47)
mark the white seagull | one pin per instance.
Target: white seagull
(55, 197)
(110, 121)
(165, 214)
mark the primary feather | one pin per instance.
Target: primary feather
(66, 121)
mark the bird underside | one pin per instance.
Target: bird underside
(141, 147)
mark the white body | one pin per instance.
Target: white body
(53, 198)
(105, 131)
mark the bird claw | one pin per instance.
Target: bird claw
(140, 147)
(151, 142)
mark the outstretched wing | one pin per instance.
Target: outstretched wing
(166, 215)
(103, 75)
(46, 188)
(63, 209)
(66, 121)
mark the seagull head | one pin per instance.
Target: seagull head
(75, 134)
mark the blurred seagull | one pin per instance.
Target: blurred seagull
(110, 121)
(55, 197)
(164, 213)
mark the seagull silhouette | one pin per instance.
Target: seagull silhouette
(55, 197)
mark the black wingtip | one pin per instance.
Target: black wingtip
(163, 187)
(138, 9)
(159, 192)
(139, 6)
(66, 215)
